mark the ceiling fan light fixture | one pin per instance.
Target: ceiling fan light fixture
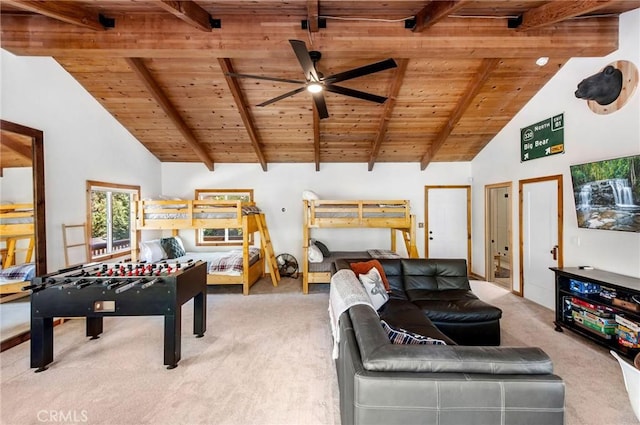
(542, 61)
(314, 87)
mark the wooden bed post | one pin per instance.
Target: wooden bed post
(245, 254)
(305, 247)
(135, 233)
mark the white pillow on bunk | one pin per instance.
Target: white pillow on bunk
(152, 251)
(309, 195)
(315, 255)
(374, 287)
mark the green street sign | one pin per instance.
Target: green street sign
(543, 138)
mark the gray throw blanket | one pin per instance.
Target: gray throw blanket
(345, 291)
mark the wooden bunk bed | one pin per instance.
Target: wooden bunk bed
(195, 214)
(17, 232)
(391, 214)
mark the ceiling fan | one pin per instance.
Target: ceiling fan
(316, 83)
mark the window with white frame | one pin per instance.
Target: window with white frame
(110, 220)
(224, 236)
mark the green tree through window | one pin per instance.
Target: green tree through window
(110, 219)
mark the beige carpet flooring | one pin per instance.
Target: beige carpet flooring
(265, 359)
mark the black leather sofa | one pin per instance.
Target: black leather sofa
(455, 384)
(431, 297)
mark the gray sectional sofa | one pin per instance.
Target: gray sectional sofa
(453, 384)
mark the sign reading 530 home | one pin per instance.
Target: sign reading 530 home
(543, 138)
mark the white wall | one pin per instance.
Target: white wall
(82, 141)
(588, 137)
(282, 185)
(16, 185)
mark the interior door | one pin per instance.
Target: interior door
(448, 222)
(540, 237)
(498, 266)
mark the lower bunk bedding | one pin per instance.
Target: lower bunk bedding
(224, 263)
(14, 278)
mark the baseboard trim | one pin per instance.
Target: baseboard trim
(21, 337)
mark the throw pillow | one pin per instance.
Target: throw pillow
(402, 336)
(309, 195)
(172, 247)
(364, 267)
(322, 247)
(152, 251)
(374, 288)
(250, 209)
(315, 255)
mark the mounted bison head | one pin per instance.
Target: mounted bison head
(603, 87)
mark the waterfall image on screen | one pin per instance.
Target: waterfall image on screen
(607, 194)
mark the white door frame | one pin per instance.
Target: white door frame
(558, 179)
(426, 219)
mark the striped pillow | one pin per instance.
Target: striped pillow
(402, 336)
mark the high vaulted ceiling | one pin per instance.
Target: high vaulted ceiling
(465, 68)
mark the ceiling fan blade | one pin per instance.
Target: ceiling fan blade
(260, 77)
(355, 93)
(359, 72)
(300, 49)
(275, 99)
(321, 106)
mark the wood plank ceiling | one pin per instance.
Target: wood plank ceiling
(465, 68)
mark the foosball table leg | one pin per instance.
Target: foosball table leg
(41, 342)
(200, 314)
(94, 327)
(172, 337)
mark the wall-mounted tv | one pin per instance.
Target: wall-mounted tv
(607, 194)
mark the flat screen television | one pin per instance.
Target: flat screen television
(607, 194)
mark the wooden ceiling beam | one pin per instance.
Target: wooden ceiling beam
(396, 84)
(316, 136)
(473, 88)
(555, 12)
(313, 15)
(264, 37)
(243, 110)
(434, 12)
(60, 11)
(138, 67)
(17, 147)
(189, 12)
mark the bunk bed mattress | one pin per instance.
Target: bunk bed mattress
(327, 263)
(209, 215)
(24, 220)
(393, 211)
(228, 263)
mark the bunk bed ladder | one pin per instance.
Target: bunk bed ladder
(410, 238)
(265, 241)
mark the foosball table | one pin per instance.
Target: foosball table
(99, 290)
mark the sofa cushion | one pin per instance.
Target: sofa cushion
(440, 274)
(464, 309)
